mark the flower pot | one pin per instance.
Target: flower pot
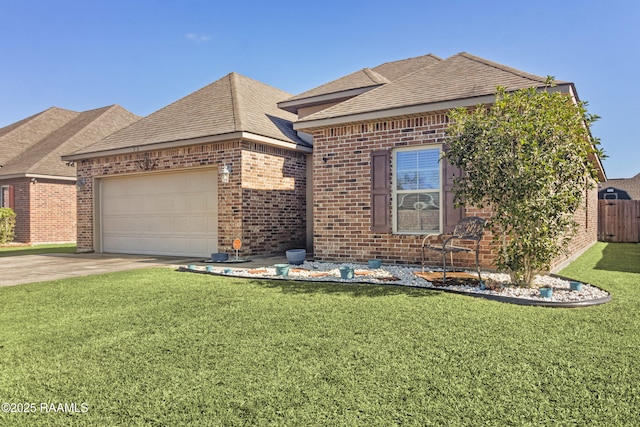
(546, 292)
(575, 286)
(296, 256)
(220, 257)
(282, 270)
(375, 263)
(346, 273)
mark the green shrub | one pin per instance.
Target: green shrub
(7, 225)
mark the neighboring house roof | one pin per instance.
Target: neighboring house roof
(356, 83)
(629, 185)
(462, 79)
(234, 106)
(33, 146)
(19, 136)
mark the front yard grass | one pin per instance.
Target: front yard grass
(64, 248)
(159, 347)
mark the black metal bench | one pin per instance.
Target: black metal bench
(470, 228)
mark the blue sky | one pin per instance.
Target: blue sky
(145, 54)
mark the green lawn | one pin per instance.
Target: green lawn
(159, 347)
(67, 248)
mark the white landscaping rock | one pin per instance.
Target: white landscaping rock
(405, 277)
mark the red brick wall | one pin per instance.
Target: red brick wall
(21, 199)
(53, 211)
(587, 232)
(342, 185)
(274, 199)
(45, 210)
(262, 204)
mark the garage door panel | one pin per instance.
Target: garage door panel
(161, 213)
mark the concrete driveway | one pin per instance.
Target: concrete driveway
(17, 270)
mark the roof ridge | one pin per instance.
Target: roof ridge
(409, 59)
(234, 92)
(98, 112)
(375, 77)
(499, 66)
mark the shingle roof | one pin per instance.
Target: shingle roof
(19, 136)
(34, 145)
(234, 103)
(630, 185)
(458, 77)
(367, 78)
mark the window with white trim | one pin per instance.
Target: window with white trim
(4, 196)
(417, 189)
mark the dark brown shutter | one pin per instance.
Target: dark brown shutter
(452, 215)
(380, 192)
(10, 202)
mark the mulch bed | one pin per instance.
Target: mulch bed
(453, 278)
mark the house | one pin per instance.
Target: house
(220, 164)
(317, 170)
(620, 189)
(369, 134)
(35, 182)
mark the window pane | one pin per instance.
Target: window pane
(418, 212)
(407, 174)
(429, 169)
(418, 170)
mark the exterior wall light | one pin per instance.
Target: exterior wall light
(224, 173)
(34, 180)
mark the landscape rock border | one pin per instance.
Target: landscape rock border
(385, 278)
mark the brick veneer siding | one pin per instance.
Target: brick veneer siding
(53, 211)
(21, 202)
(263, 203)
(342, 199)
(45, 210)
(587, 232)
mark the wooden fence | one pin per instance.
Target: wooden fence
(619, 221)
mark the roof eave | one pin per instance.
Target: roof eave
(188, 142)
(294, 105)
(409, 110)
(38, 175)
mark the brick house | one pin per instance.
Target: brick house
(220, 164)
(35, 182)
(319, 170)
(373, 128)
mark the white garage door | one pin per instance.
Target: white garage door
(170, 213)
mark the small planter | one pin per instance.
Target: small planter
(575, 286)
(220, 257)
(282, 270)
(375, 263)
(296, 256)
(546, 292)
(346, 273)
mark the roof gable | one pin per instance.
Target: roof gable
(19, 136)
(462, 76)
(358, 82)
(42, 156)
(234, 103)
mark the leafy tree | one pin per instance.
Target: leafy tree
(529, 158)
